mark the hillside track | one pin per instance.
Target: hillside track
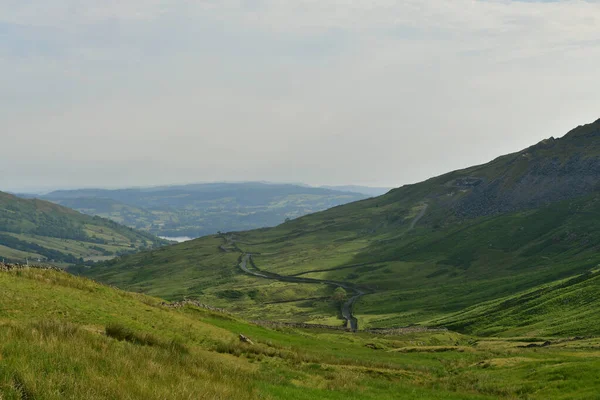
(420, 215)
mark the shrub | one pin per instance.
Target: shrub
(230, 294)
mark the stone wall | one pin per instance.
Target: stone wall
(5, 267)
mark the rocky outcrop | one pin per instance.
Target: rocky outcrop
(245, 339)
(550, 171)
(536, 183)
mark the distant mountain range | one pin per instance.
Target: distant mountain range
(37, 230)
(202, 209)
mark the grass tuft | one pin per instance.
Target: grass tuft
(122, 333)
(61, 329)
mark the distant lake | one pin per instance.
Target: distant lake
(178, 239)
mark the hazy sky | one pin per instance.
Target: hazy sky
(381, 92)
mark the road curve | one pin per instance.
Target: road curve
(352, 322)
(346, 309)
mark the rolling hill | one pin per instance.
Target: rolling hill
(203, 209)
(428, 253)
(38, 230)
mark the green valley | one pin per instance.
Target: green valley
(423, 253)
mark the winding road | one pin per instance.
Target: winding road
(346, 309)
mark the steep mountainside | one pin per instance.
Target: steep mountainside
(40, 230)
(420, 254)
(203, 209)
(550, 171)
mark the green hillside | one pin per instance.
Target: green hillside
(64, 337)
(204, 209)
(564, 307)
(42, 231)
(421, 253)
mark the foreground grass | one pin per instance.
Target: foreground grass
(40, 362)
(67, 337)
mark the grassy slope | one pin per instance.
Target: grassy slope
(40, 229)
(202, 270)
(53, 346)
(416, 270)
(564, 307)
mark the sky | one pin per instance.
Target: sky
(114, 93)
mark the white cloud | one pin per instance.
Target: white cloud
(380, 92)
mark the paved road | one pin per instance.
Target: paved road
(346, 307)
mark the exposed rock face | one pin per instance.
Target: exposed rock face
(545, 181)
(551, 171)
